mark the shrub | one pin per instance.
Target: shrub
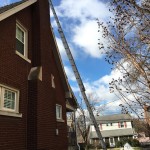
(132, 142)
(135, 143)
(107, 144)
(90, 146)
(119, 144)
(127, 141)
(99, 146)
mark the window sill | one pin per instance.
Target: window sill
(12, 114)
(60, 120)
(23, 57)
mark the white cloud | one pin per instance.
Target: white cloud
(100, 91)
(70, 73)
(81, 9)
(75, 89)
(53, 24)
(114, 74)
(61, 48)
(81, 25)
(86, 37)
(100, 88)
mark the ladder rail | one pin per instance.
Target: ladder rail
(77, 75)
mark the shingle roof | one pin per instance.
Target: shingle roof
(113, 133)
(113, 118)
(7, 7)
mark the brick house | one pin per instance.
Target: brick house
(33, 85)
(113, 128)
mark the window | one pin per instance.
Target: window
(122, 124)
(109, 124)
(111, 142)
(21, 40)
(58, 111)
(9, 99)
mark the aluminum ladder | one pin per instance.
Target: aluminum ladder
(77, 75)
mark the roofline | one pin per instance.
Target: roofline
(110, 121)
(70, 107)
(114, 115)
(16, 9)
(64, 77)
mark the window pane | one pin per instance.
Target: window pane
(58, 112)
(111, 140)
(19, 47)
(19, 34)
(9, 99)
(122, 124)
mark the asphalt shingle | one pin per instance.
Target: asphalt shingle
(7, 7)
(113, 133)
(113, 118)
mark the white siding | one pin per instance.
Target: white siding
(113, 127)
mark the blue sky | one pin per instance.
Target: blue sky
(78, 19)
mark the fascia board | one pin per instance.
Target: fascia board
(16, 9)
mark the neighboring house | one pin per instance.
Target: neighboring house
(33, 85)
(113, 128)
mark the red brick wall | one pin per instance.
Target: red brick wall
(37, 128)
(14, 72)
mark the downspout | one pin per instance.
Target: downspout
(76, 129)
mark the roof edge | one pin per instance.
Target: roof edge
(64, 77)
(16, 9)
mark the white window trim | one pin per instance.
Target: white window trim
(5, 111)
(28, 60)
(25, 56)
(59, 119)
(52, 81)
